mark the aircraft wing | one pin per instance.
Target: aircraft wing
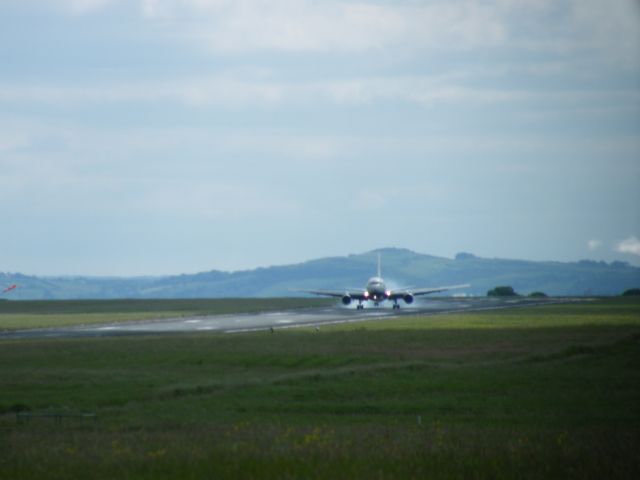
(356, 294)
(424, 291)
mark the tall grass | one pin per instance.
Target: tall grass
(245, 450)
(547, 392)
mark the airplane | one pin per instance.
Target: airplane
(377, 292)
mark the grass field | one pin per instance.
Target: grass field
(59, 313)
(543, 392)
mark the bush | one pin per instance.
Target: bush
(632, 292)
(504, 291)
(538, 295)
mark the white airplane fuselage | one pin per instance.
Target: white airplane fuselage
(376, 290)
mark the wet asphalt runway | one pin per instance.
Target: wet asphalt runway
(275, 320)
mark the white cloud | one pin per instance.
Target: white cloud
(217, 90)
(239, 89)
(337, 26)
(12, 139)
(594, 244)
(331, 26)
(151, 8)
(630, 245)
(84, 7)
(612, 27)
(369, 201)
(209, 200)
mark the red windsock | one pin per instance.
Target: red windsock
(8, 289)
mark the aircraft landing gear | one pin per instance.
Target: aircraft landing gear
(360, 307)
(396, 306)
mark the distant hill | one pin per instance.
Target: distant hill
(400, 267)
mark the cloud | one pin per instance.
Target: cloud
(242, 89)
(611, 27)
(210, 200)
(225, 26)
(13, 139)
(594, 244)
(84, 7)
(369, 201)
(337, 26)
(610, 30)
(214, 90)
(630, 245)
(151, 8)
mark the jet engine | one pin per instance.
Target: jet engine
(408, 298)
(346, 299)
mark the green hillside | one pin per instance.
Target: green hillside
(400, 267)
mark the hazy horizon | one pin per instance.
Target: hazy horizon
(346, 255)
(160, 137)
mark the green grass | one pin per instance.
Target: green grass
(551, 391)
(15, 315)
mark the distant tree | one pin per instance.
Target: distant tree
(538, 295)
(619, 264)
(504, 291)
(465, 256)
(632, 292)
(592, 263)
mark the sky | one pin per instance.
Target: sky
(162, 137)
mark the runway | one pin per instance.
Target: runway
(246, 322)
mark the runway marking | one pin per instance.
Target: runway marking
(193, 321)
